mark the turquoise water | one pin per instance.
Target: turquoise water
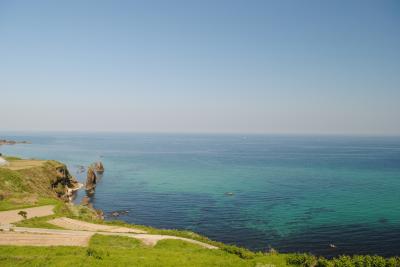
(293, 193)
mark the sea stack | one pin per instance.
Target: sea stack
(98, 167)
(91, 179)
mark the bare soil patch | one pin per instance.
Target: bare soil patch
(12, 216)
(23, 164)
(39, 239)
(72, 224)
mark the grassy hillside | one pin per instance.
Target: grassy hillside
(123, 251)
(26, 183)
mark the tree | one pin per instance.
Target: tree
(23, 214)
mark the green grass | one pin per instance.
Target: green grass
(124, 251)
(38, 222)
(61, 209)
(11, 158)
(10, 204)
(114, 242)
(11, 181)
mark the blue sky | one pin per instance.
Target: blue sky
(201, 66)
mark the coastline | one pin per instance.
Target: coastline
(68, 214)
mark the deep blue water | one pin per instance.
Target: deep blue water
(292, 193)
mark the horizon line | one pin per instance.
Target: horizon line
(201, 133)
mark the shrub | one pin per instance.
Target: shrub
(97, 254)
(358, 261)
(59, 189)
(343, 261)
(322, 262)
(241, 252)
(378, 261)
(368, 261)
(302, 259)
(392, 262)
(23, 213)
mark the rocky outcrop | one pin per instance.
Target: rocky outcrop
(63, 183)
(98, 167)
(12, 142)
(118, 213)
(91, 179)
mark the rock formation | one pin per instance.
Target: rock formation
(91, 179)
(98, 167)
(63, 183)
(12, 142)
(86, 202)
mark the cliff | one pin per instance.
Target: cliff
(25, 182)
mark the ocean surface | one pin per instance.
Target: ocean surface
(292, 193)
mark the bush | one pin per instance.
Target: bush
(302, 259)
(97, 254)
(59, 189)
(241, 252)
(343, 261)
(378, 261)
(347, 261)
(23, 213)
(322, 262)
(368, 261)
(393, 262)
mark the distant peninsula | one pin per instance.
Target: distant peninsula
(12, 142)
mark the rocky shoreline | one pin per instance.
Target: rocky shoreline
(94, 171)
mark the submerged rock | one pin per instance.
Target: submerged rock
(118, 213)
(100, 214)
(85, 201)
(80, 169)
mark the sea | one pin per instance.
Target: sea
(327, 195)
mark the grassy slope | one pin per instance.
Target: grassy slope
(27, 187)
(123, 251)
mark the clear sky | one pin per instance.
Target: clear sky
(201, 66)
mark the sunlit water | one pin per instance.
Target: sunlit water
(292, 193)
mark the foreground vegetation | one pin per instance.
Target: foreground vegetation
(308, 260)
(123, 251)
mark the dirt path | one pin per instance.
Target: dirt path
(43, 239)
(72, 224)
(79, 234)
(12, 216)
(151, 240)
